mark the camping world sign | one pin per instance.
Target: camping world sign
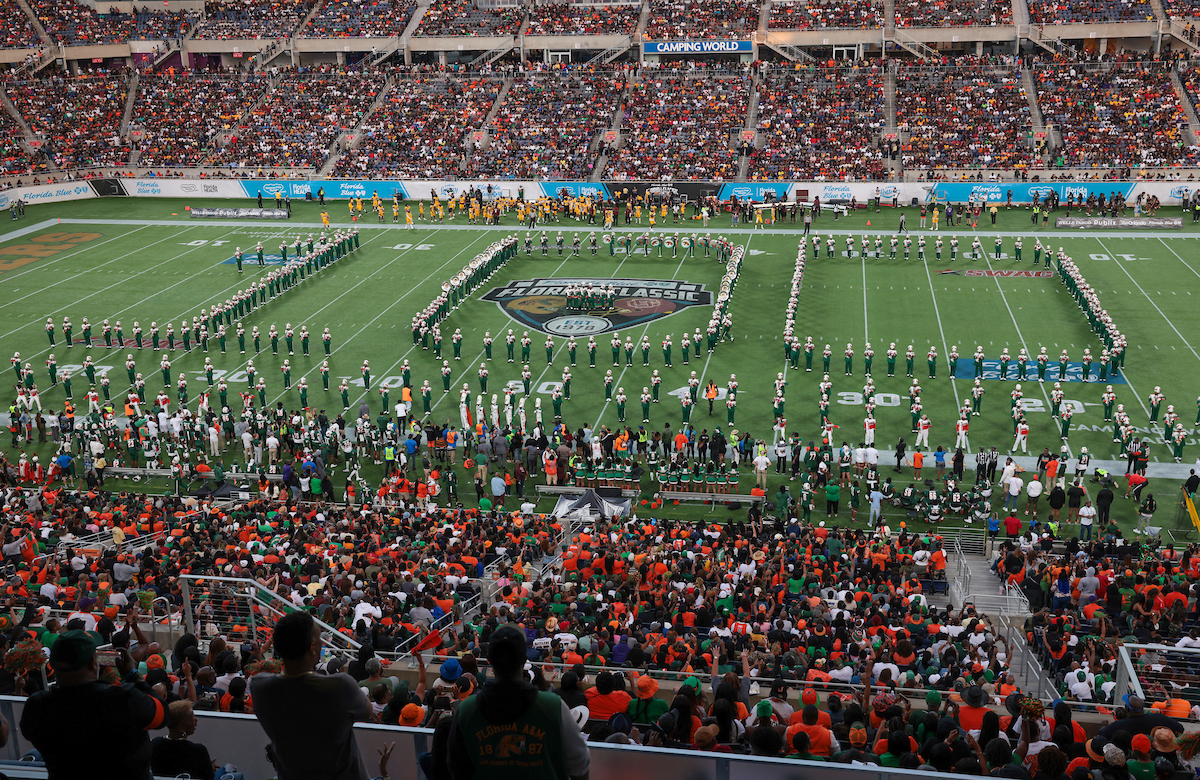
(543, 303)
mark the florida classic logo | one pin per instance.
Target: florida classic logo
(543, 303)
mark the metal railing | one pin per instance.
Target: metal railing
(244, 609)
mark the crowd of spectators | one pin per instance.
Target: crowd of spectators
(953, 13)
(1114, 116)
(1184, 10)
(419, 130)
(16, 31)
(965, 117)
(14, 159)
(231, 19)
(180, 116)
(695, 20)
(825, 14)
(75, 24)
(680, 126)
(298, 120)
(79, 118)
(465, 18)
(162, 25)
(360, 19)
(822, 124)
(1082, 11)
(546, 126)
(573, 19)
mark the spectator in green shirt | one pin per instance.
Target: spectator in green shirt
(646, 708)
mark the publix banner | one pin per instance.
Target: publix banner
(1023, 192)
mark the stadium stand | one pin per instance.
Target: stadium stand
(263, 19)
(694, 20)
(1082, 11)
(359, 19)
(16, 31)
(820, 124)
(72, 23)
(1114, 115)
(419, 130)
(679, 126)
(953, 13)
(572, 19)
(963, 117)
(79, 118)
(179, 117)
(300, 116)
(465, 18)
(825, 15)
(13, 157)
(546, 125)
(162, 25)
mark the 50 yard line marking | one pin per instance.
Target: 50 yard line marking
(945, 344)
(617, 383)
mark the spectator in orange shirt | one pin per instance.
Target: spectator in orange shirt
(605, 699)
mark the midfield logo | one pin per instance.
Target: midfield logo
(542, 303)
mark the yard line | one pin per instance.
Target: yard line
(710, 354)
(89, 248)
(1049, 405)
(1185, 341)
(645, 330)
(866, 328)
(558, 350)
(945, 344)
(1185, 262)
(392, 367)
(323, 308)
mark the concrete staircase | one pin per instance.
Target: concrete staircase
(37, 25)
(1188, 109)
(1035, 111)
(617, 119)
(341, 144)
(12, 110)
(130, 99)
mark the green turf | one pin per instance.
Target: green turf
(167, 271)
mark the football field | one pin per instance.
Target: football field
(145, 261)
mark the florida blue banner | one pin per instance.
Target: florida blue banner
(1022, 192)
(965, 369)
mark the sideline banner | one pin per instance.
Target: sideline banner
(1157, 223)
(239, 213)
(1023, 192)
(1171, 194)
(47, 193)
(184, 188)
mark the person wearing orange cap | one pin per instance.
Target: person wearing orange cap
(646, 708)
